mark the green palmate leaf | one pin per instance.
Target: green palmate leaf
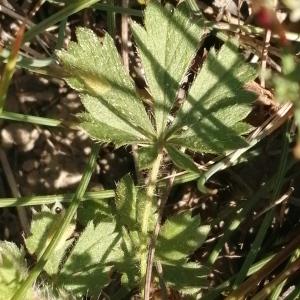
(189, 277)
(89, 280)
(13, 269)
(43, 226)
(242, 128)
(166, 45)
(107, 92)
(181, 160)
(126, 202)
(86, 270)
(216, 102)
(179, 237)
(109, 132)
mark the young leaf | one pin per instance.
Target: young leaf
(215, 103)
(91, 210)
(167, 46)
(107, 92)
(146, 156)
(129, 270)
(179, 237)
(43, 226)
(189, 277)
(86, 269)
(126, 202)
(13, 269)
(181, 160)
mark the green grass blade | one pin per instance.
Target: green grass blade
(89, 196)
(277, 291)
(70, 212)
(234, 223)
(216, 291)
(70, 9)
(61, 34)
(45, 66)
(256, 246)
(119, 10)
(295, 294)
(283, 276)
(26, 62)
(111, 19)
(30, 119)
(49, 199)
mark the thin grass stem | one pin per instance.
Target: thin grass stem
(30, 119)
(70, 9)
(21, 293)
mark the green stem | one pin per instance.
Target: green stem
(71, 211)
(150, 191)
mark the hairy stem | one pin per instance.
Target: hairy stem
(151, 251)
(150, 191)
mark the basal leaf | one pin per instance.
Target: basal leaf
(189, 277)
(43, 226)
(126, 202)
(179, 237)
(13, 270)
(167, 46)
(86, 270)
(181, 160)
(215, 103)
(107, 91)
